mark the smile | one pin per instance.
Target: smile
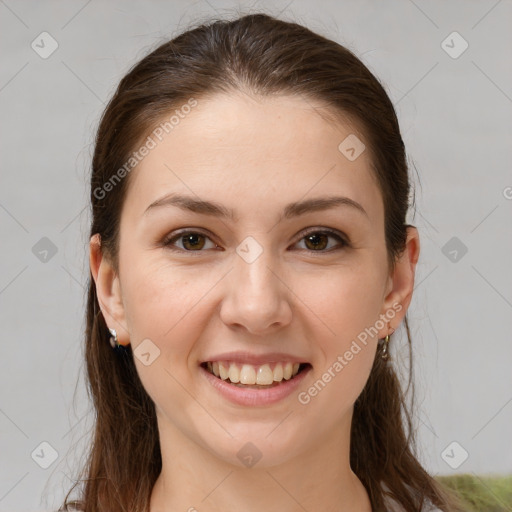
(255, 376)
(254, 385)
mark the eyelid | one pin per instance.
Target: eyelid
(175, 235)
(345, 241)
(324, 230)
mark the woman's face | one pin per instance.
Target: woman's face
(274, 273)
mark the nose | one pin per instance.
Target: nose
(257, 296)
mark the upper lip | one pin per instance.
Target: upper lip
(255, 359)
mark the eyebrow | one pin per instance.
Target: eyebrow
(189, 203)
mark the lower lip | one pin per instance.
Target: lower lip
(251, 396)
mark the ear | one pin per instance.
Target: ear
(401, 284)
(108, 290)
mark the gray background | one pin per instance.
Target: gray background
(455, 116)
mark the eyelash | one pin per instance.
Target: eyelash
(344, 243)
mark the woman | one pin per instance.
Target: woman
(250, 260)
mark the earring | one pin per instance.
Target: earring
(114, 343)
(385, 353)
(113, 337)
(385, 342)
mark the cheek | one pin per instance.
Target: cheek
(346, 303)
(163, 304)
(159, 300)
(171, 305)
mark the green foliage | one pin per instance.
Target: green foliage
(481, 493)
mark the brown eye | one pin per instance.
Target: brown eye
(318, 241)
(191, 241)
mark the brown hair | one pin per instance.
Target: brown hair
(262, 55)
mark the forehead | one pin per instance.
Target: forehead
(244, 151)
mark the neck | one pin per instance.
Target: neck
(195, 480)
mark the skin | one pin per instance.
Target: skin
(254, 155)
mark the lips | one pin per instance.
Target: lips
(254, 380)
(254, 395)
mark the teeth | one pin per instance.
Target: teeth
(248, 374)
(234, 373)
(265, 375)
(278, 372)
(223, 371)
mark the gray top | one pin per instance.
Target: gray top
(393, 506)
